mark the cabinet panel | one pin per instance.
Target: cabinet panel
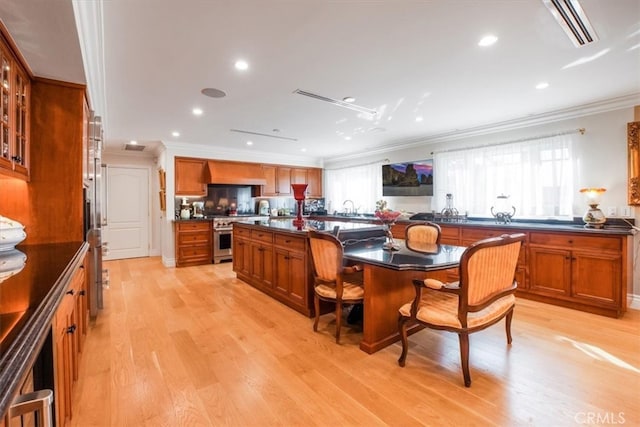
(550, 270)
(283, 184)
(193, 242)
(597, 277)
(262, 264)
(189, 177)
(314, 182)
(241, 255)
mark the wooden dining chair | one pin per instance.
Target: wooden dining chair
(332, 281)
(483, 296)
(422, 233)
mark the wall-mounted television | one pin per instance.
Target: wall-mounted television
(408, 179)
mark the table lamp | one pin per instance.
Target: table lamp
(593, 218)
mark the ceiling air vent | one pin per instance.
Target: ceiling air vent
(337, 102)
(573, 21)
(134, 147)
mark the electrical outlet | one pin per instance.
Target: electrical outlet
(625, 211)
(611, 211)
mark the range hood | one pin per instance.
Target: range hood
(236, 173)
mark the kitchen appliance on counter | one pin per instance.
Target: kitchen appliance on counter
(263, 208)
(198, 209)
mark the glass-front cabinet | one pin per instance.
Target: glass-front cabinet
(14, 115)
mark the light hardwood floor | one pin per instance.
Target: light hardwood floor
(195, 346)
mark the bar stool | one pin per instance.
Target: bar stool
(38, 401)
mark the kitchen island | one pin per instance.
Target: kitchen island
(272, 255)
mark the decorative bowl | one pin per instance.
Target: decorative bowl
(11, 262)
(11, 233)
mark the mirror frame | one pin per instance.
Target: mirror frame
(633, 152)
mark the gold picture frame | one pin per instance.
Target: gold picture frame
(162, 175)
(163, 206)
(633, 151)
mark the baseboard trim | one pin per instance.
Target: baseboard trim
(633, 302)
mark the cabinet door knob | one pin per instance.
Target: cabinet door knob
(70, 292)
(82, 292)
(71, 329)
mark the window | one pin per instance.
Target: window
(537, 175)
(362, 184)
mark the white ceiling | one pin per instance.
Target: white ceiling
(402, 58)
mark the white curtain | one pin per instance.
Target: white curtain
(537, 175)
(361, 184)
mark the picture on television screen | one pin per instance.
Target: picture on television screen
(408, 179)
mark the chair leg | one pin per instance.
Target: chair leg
(338, 320)
(402, 329)
(316, 305)
(508, 326)
(464, 357)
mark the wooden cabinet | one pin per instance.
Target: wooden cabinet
(15, 97)
(314, 181)
(586, 272)
(274, 262)
(291, 269)
(193, 242)
(278, 180)
(189, 178)
(241, 250)
(580, 270)
(261, 270)
(68, 330)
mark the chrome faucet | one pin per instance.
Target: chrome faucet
(353, 206)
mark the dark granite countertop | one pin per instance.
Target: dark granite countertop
(28, 301)
(287, 224)
(613, 225)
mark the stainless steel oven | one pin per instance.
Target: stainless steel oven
(222, 243)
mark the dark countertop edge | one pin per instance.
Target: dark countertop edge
(402, 267)
(19, 358)
(551, 225)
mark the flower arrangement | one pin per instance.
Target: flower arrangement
(387, 216)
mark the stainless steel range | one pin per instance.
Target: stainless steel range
(223, 235)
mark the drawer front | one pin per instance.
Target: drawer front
(196, 238)
(262, 236)
(241, 231)
(476, 234)
(290, 242)
(199, 252)
(194, 226)
(574, 241)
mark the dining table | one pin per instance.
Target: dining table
(388, 276)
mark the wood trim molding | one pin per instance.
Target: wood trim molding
(633, 152)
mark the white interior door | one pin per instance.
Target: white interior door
(126, 233)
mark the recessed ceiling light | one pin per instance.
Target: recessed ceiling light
(249, 142)
(304, 150)
(241, 65)
(213, 92)
(419, 119)
(348, 138)
(175, 133)
(487, 40)
(197, 111)
(133, 142)
(542, 85)
(349, 99)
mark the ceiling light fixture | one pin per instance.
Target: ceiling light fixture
(249, 142)
(571, 17)
(175, 133)
(419, 119)
(488, 40)
(349, 99)
(542, 85)
(339, 103)
(133, 141)
(197, 111)
(241, 65)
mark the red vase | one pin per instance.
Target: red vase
(298, 194)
